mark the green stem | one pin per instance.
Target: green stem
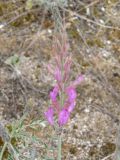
(14, 152)
(3, 150)
(59, 147)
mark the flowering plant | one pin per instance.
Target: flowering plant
(63, 96)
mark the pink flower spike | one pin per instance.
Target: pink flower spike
(49, 115)
(63, 117)
(78, 80)
(71, 106)
(71, 92)
(58, 75)
(67, 68)
(54, 93)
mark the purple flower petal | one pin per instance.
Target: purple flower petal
(71, 92)
(71, 106)
(67, 69)
(58, 75)
(49, 115)
(63, 117)
(78, 80)
(54, 93)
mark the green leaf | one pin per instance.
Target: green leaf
(13, 60)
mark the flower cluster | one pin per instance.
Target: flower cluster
(63, 96)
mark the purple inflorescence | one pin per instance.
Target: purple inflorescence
(63, 96)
